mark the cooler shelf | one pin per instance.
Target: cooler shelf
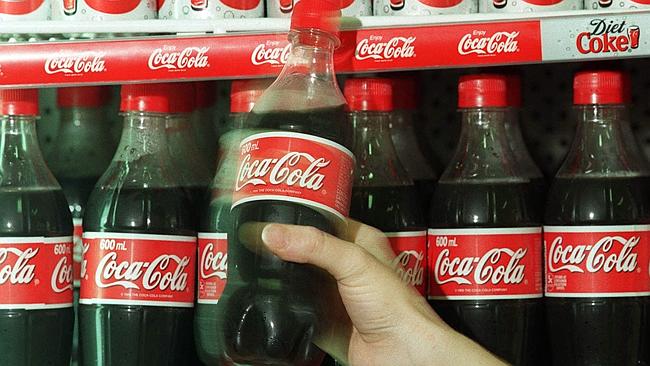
(246, 48)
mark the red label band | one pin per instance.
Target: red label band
(410, 248)
(77, 252)
(138, 269)
(597, 261)
(35, 272)
(295, 167)
(495, 263)
(213, 266)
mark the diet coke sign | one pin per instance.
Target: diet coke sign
(36, 272)
(213, 266)
(481, 43)
(485, 263)
(75, 64)
(376, 48)
(171, 59)
(596, 260)
(410, 248)
(607, 36)
(273, 53)
(138, 269)
(295, 167)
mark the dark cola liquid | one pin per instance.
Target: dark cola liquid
(389, 209)
(599, 331)
(35, 337)
(511, 329)
(424, 190)
(272, 308)
(130, 335)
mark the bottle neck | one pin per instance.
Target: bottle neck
(192, 165)
(312, 53)
(377, 161)
(603, 145)
(483, 153)
(516, 139)
(21, 162)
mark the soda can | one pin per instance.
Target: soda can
(524, 6)
(349, 8)
(24, 10)
(210, 9)
(424, 7)
(620, 4)
(103, 9)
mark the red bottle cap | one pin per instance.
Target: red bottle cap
(482, 90)
(19, 102)
(514, 90)
(88, 96)
(145, 98)
(182, 97)
(244, 94)
(324, 15)
(369, 94)
(600, 87)
(405, 95)
(206, 94)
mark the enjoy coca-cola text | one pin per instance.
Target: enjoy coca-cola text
(89, 62)
(480, 43)
(375, 48)
(188, 58)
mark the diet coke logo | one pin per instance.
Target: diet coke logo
(498, 265)
(374, 47)
(608, 36)
(409, 266)
(88, 62)
(188, 58)
(213, 263)
(157, 274)
(269, 54)
(610, 253)
(480, 43)
(19, 270)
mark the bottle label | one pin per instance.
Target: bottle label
(494, 263)
(138, 269)
(35, 272)
(295, 167)
(77, 252)
(213, 266)
(410, 248)
(597, 261)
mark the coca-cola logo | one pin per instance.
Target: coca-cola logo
(61, 279)
(610, 253)
(272, 53)
(480, 43)
(496, 266)
(188, 58)
(87, 62)
(18, 270)
(284, 170)
(375, 48)
(607, 36)
(213, 264)
(160, 273)
(409, 266)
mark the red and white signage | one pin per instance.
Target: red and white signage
(35, 272)
(491, 263)
(213, 267)
(295, 167)
(173, 59)
(138, 269)
(77, 251)
(410, 248)
(608, 37)
(597, 261)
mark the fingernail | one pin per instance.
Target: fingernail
(273, 236)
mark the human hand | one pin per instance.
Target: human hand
(387, 322)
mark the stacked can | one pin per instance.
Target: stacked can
(103, 9)
(349, 8)
(621, 4)
(424, 7)
(521, 6)
(210, 9)
(24, 10)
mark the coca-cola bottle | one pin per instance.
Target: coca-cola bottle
(485, 236)
(137, 275)
(216, 224)
(203, 121)
(596, 234)
(81, 154)
(297, 172)
(383, 195)
(36, 316)
(418, 168)
(192, 167)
